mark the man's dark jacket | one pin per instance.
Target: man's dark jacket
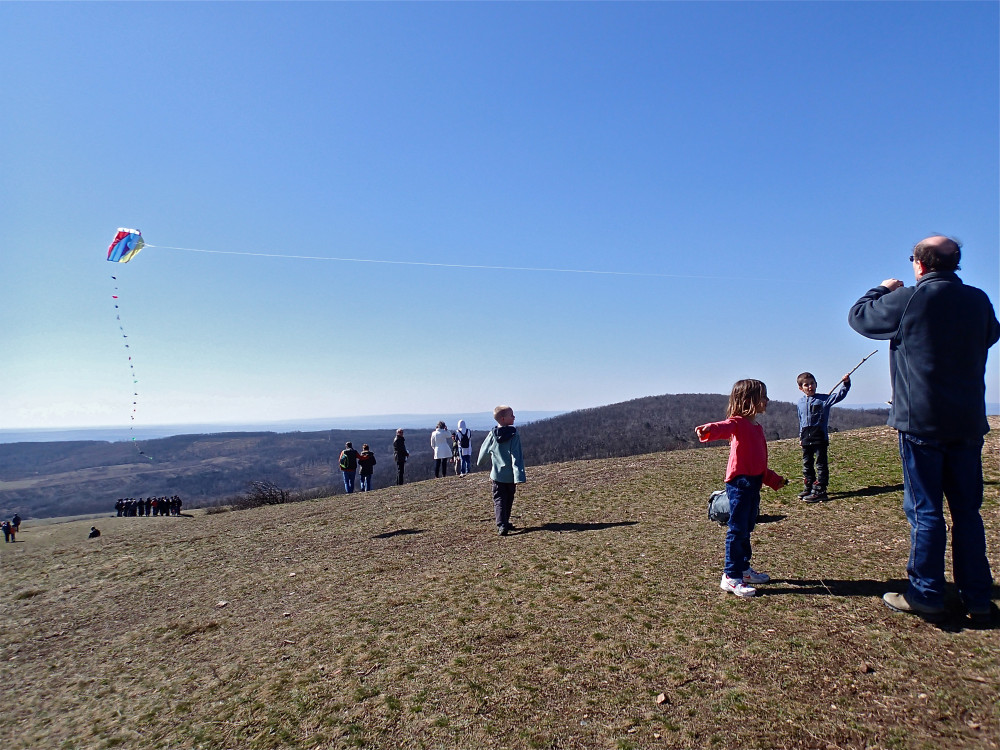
(939, 332)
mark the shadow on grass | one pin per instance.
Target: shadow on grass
(866, 492)
(559, 528)
(831, 587)
(398, 532)
(770, 518)
(954, 619)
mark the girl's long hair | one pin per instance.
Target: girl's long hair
(748, 398)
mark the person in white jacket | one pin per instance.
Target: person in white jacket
(441, 443)
(464, 437)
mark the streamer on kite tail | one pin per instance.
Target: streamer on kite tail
(115, 297)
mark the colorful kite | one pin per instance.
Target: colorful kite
(125, 246)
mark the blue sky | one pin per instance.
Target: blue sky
(756, 166)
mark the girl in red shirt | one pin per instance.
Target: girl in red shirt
(746, 472)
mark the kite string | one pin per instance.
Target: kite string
(378, 261)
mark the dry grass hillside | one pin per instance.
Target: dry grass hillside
(398, 619)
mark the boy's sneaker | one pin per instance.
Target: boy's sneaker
(818, 494)
(502, 530)
(751, 576)
(806, 492)
(736, 586)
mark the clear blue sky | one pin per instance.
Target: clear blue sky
(759, 166)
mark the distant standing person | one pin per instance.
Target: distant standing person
(503, 446)
(442, 449)
(814, 434)
(349, 465)
(463, 435)
(367, 463)
(399, 454)
(7, 530)
(746, 472)
(16, 522)
(940, 331)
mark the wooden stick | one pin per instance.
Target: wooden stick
(857, 366)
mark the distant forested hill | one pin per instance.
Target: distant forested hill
(659, 423)
(71, 478)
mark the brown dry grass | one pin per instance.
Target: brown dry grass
(398, 619)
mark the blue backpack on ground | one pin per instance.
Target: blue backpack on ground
(718, 507)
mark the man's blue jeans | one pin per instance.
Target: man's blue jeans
(465, 464)
(744, 506)
(349, 481)
(933, 470)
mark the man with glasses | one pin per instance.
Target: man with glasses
(940, 331)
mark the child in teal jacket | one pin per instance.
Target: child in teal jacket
(503, 446)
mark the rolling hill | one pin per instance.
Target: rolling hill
(399, 619)
(47, 479)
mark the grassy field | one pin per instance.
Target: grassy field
(398, 619)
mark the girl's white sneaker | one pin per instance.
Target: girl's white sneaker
(736, 586)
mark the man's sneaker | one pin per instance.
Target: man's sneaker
(806, 492)
(899, 603)
(751, 576)
(736, 586)
(502, 530)
(981, 616)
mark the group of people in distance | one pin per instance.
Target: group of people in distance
(150, 506)
(940, 331)
(10, 528)
(455, 446)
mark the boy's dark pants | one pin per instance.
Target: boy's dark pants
(503, 501)
(821, 474)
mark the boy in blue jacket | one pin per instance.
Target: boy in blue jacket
(814, 436)
(503, 446)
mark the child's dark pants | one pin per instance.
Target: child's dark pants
(815, 453)
(503, 501)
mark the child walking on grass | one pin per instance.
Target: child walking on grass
(746, 472)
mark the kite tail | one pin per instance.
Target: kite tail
(131, 367)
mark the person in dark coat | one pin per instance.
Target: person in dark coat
(399, 454)
(940, 331)
(367, 463)
(94, 532)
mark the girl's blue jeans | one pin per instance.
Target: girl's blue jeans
(744, 505)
